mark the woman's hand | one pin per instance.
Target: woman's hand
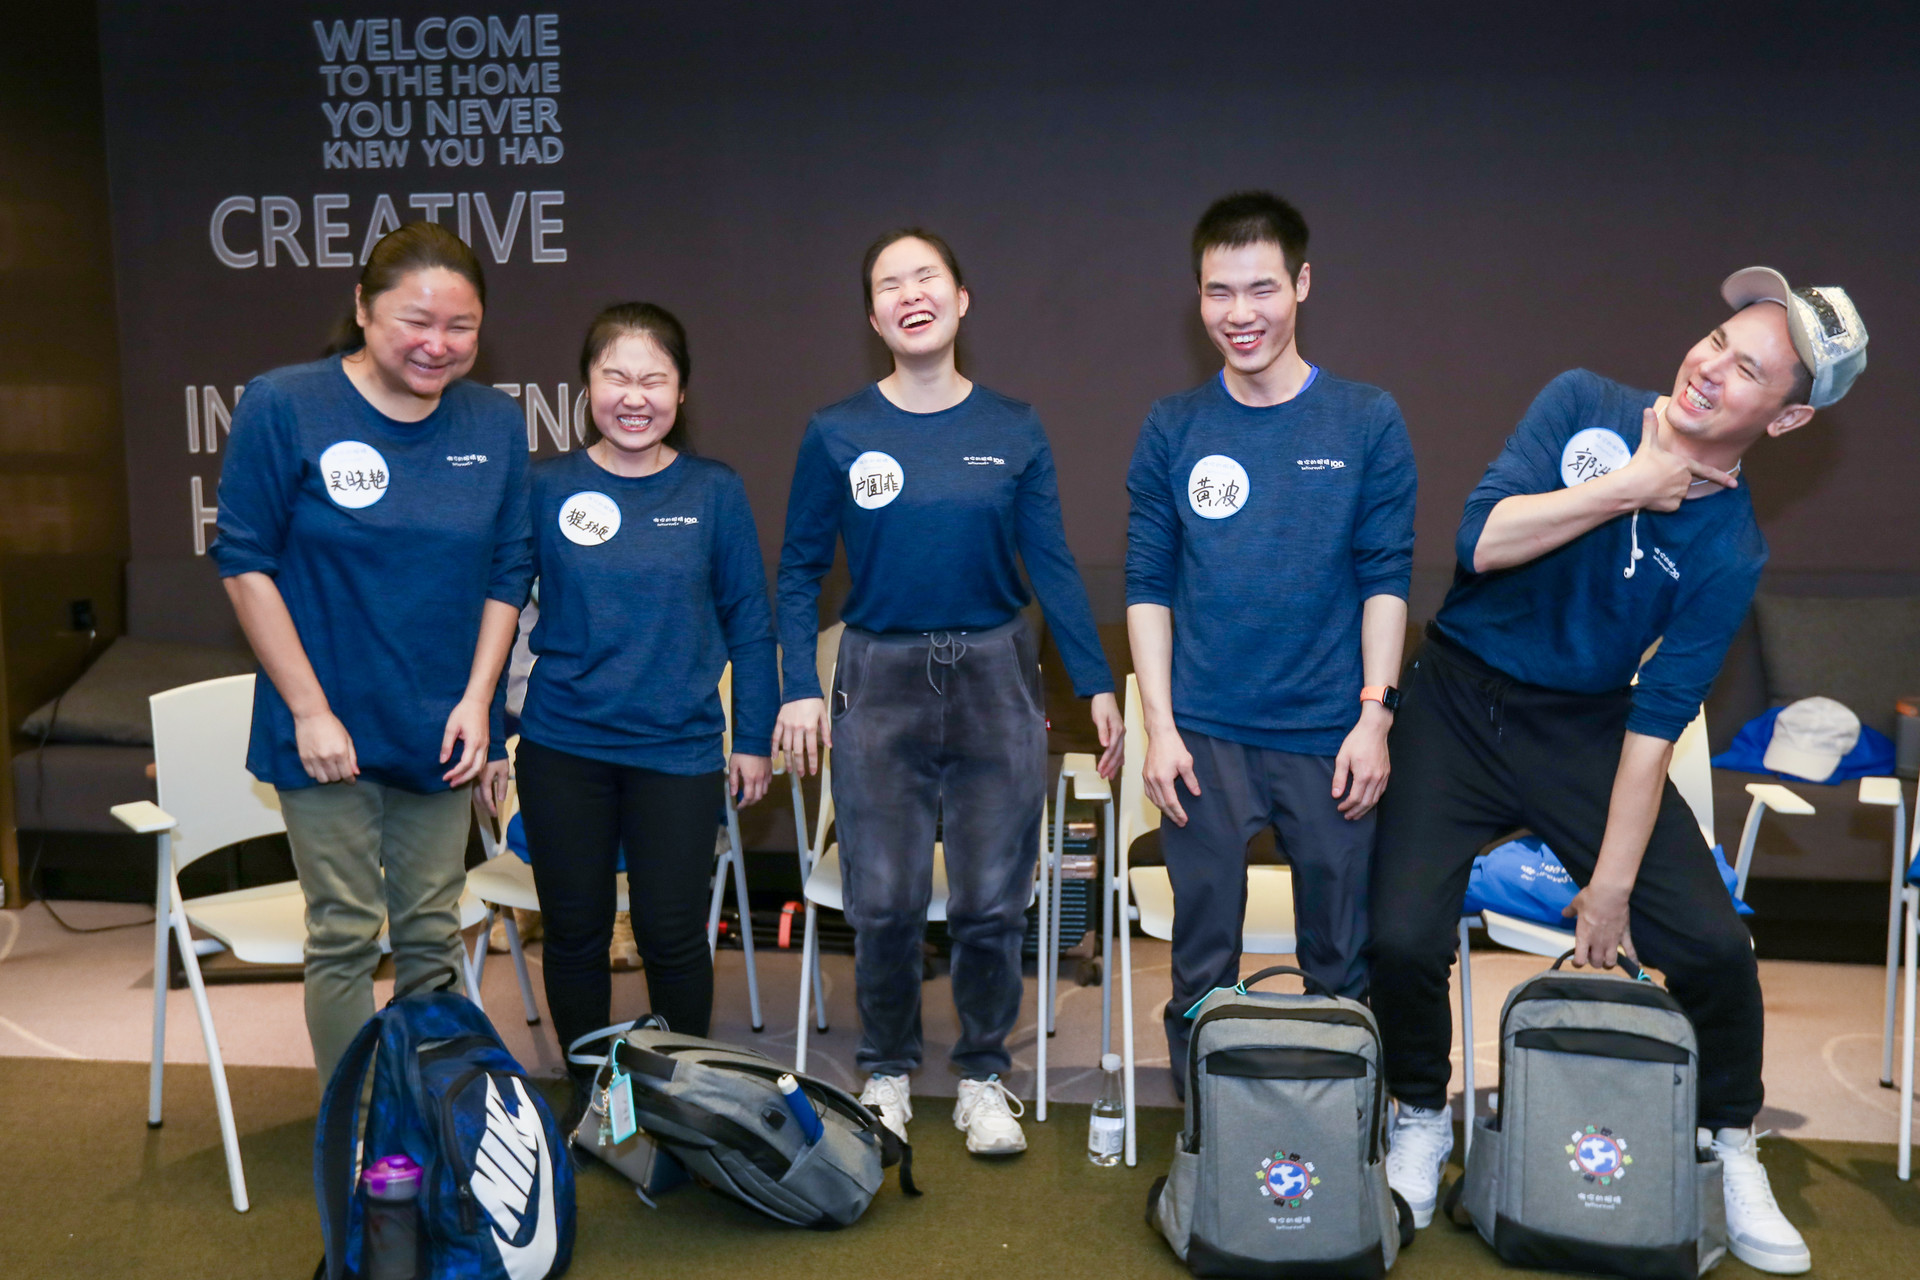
(467, 724)
(490, 791)
(747, 778)
(1113, 734)
(326, 748)
(803, 734)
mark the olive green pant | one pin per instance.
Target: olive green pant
(343, 836)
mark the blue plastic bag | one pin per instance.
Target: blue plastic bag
(1523, 879)
(517, 842)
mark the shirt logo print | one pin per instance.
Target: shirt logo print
(466, 459)
(984, 460)
(1320, 464)
(1217, 487)
(674, 522)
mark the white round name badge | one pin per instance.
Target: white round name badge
(876, 479)
(1217, 487)
(589, 518)
(1591, 454)
(355, 474)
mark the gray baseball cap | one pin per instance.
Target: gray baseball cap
(1827, 330)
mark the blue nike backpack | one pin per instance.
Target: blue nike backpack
(496, 1191)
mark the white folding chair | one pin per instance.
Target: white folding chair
(1888, 793)
(733, 859)
(823, 887)
(1691, 771)
(1910, 899)
(1267, 928)
(1081, 772)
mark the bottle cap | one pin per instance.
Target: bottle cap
(1109, 1062)
(390, 1174)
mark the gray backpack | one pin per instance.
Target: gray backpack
(718, 1112)
(1590, 1163)
(1281, 1169)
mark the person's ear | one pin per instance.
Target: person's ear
(1303, 282)
(361, 316)
(1792, 418)
(873, 320)
(964, 299)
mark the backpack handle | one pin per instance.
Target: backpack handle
(1307, 980)
(1626, 962)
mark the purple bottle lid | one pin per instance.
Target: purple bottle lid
(392, 1178)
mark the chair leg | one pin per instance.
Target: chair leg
(1466, 1039)
(1044, 994)
(713, 904)
(1122, 909)
(1109, 896)
(1059, 862)
(520, 970)
(162, 911)
(1894, 904)
(807, 961)
(1912, 903)
(216, 1067)
(746, 915)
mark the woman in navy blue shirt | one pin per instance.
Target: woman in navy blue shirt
(373, 539)
(943, 491)
(650, 583)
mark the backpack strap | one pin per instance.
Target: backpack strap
(1276, 970)
(333, 1147)
(428, 983)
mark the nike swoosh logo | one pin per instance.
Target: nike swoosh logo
(512, 1159)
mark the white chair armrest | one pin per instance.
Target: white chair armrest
(1881, 791)
(1084, 769)
(143, 817)
(1778, 798)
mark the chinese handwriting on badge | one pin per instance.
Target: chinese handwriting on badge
(578, 519)
(362, 481)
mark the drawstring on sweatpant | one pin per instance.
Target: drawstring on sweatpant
(945, 648)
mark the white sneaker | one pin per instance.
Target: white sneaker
(888, 1097)
(985, 1112)
(1757, 1232)
(1419, 1144)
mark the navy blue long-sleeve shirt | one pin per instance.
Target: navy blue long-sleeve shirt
(1265, 529)
(649, 586)
(385, 539)
(938, 511)
(1571, 619)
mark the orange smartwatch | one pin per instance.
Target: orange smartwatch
(1384, 694)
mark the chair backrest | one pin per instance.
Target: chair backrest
(726, 709)
(200, 765)
(1692, 772)
(1138, 815)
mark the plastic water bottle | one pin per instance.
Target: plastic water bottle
(392, 1245)
(1107, 1128)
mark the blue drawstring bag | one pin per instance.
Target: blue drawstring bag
(517, 842)
(1871, 757)
(1523, 879)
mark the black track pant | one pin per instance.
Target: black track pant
(1477, 754)
(579, 813)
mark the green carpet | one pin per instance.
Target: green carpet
(90, 1191)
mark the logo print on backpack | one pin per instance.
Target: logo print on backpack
(1597, 1155)
(1286, 1179)
(511, 1158)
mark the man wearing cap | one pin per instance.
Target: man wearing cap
(1613, 520)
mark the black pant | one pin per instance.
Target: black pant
(1476, 754)
(1243, 790)
(945, 727)
(579, 814)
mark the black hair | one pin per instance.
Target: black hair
(1802, 390)
(1252, 217)
(655, 323)
(416, 246)
(893, 237)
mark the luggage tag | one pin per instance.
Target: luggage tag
(620, 1107)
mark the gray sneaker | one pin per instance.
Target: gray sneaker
(889, 1097)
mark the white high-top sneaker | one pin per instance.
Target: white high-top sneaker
(890, 1098)
(1419, 1144)
(1757, 1232)
(985, 1112)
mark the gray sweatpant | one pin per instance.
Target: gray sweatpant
(343, 834)
(1242, 790)
(946, 727)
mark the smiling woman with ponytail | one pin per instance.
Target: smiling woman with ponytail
(374, 541)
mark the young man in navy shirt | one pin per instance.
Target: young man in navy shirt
(1613, 520)
(1268, 554)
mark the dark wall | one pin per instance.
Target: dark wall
(1497, 192)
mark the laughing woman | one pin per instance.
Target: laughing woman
(373, 539)
(650, 582)
(942, 490)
